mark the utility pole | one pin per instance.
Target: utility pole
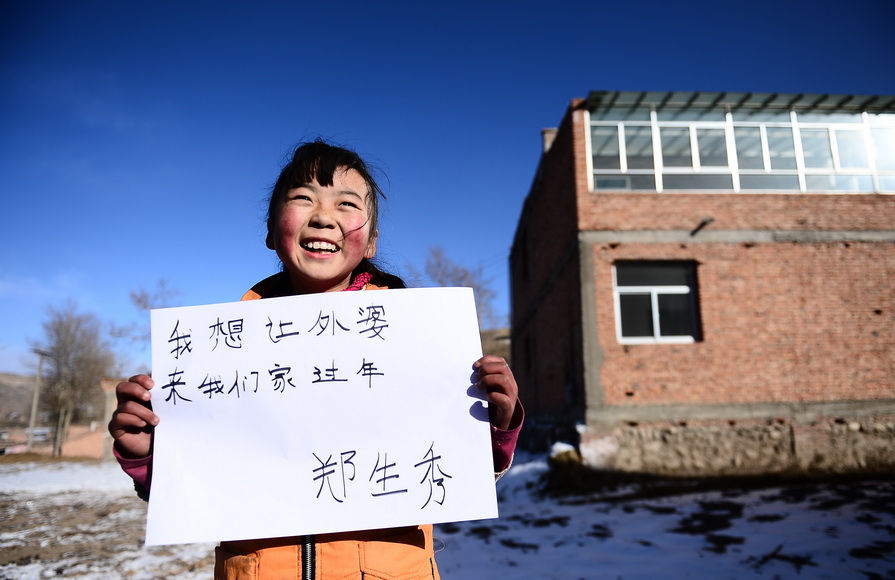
(36, 398)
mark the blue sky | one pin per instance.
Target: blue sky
(138, 140)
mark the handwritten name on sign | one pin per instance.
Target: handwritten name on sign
(319, 413)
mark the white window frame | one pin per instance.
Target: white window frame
(729, 126)
(654, 292)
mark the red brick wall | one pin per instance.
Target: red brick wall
(548, 222)
(546, 285)
(734, 211)
(781, 322)
(548, 351)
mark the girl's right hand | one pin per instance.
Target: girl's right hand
(133, 422)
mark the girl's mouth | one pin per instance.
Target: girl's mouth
(318, 246)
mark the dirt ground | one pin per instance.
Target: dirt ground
(87, 534)
(72, 531)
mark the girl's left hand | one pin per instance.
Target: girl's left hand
(493, 375)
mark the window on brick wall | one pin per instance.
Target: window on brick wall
(656, 302)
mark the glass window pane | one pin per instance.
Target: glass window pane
(676, 147)
(643, 181)
(884, 145)
(619, 114)
(748, 140)
(838, 183)
(648, 273)
(604, 142)
(691, 114)
(769, 182)
(611, 182)
(762, 115)
(852, 153)
(816, 148)
(887, 182)
(697, 181)
(675, 315)
(781, 148)
(636, 314)
(639, 147)
(829, 118)
(712, 147)
(881, 119)
(624, 181)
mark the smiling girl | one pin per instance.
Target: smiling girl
(323, 224)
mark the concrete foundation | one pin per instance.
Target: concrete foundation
(744, 448)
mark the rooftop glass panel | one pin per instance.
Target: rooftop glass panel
(712, 147)
(676, 147)
(884, 146)
(881, 119)
(767, 142)
(639, 147)
(622, 114)
(625, 182)
(816, 148)
(781, 148)
(604, 143)
(769, 182)
(690, 114)
(697, 181)
(749, 151)
(826, 118)
(761, 116)
(887, 182)
(850, 145)
(838, 183)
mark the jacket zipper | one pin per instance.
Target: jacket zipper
(308, 557)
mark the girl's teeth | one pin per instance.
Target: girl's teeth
(322, 246)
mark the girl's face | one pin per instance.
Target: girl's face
(321, 233)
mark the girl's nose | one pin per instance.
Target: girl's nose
(322, 218)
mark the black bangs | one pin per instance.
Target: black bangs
(318, 160)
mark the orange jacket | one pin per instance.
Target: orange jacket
(405, 553)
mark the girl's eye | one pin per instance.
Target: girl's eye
(350, 204)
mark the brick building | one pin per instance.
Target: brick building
(705, 282)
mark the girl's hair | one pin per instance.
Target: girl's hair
(319, 160)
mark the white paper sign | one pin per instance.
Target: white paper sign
(319, 413)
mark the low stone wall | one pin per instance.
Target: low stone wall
(834, 446)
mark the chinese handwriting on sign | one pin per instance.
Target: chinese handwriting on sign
(232, 334)
(182, 343)
(385, 476)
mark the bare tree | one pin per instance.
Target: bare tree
(444, 272)
(144, 300)
(78, 359)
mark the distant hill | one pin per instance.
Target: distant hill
(497, 341)
(16, 392)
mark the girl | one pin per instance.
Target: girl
(322, 223)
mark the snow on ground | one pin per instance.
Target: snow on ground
(837, 531)
(63, 476)
(81, 520)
